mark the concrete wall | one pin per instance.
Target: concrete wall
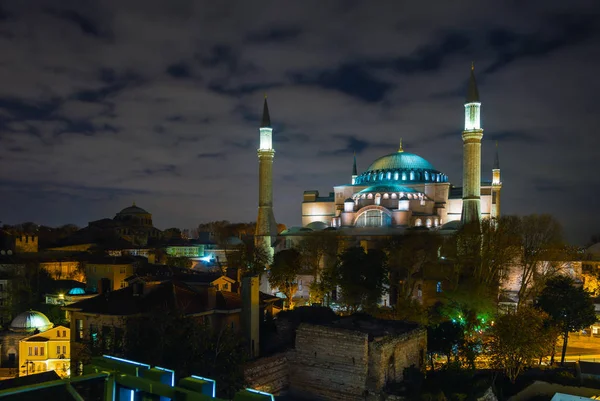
(270, 374)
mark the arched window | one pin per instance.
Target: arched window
(373, 218)
(435, 222)
(403, 176)
(426, 176)
(378, 199)
(370, 196)
(396, 176)
(381, 176)
(418, 223)
(389, 175)
(386, 196)
(394, 196)
(363, 196)
(412, 175)
(428, 223)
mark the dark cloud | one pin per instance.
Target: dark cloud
(105, 103)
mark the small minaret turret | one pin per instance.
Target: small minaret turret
(496, 186)
(266, 227)
(354, 170)
(471, 136)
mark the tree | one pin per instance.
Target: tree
(540, 242)
(284, 271)
(443, 338)
(362, 277)
(570, 307)
(172, 233)
(179, 261)
(318, 253)
(408, 256)
(520, 339)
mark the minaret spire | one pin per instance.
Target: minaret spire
(354, 170)
(266, 119)
(471, 136)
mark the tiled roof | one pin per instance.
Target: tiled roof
(171, 294)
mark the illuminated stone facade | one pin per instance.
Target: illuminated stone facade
(403, 189)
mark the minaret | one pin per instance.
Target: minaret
(496, 186)
(354, 170)
(266, 227)
(471, 136)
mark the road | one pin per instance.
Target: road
(580, 347)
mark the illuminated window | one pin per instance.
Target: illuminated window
(418, 223)
(438, 287)
(373, 218)
(396, 176)
(403, 176)
(412, 175)
(389, 175)
(428, 223)
(386, 196)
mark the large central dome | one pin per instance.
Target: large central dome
(400, 168)
(402, 161)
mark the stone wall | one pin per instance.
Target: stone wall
(390, 355)
(270, 374)
(329, 363)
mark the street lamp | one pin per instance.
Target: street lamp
(26, 366)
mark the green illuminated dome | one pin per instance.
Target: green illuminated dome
(400, 168)
(400, 160)
(30, 321)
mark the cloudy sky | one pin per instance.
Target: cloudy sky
(107, 102)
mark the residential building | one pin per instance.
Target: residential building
(46, 351)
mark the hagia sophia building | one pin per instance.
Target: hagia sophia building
(398, 190)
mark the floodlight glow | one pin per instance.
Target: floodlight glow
(206, 258)
(132, 395)
(261, 393)
(266, 141)
(214, 384)
(126, 361)
(172, 372)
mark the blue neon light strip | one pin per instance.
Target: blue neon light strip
(126, 361)
(261, 393)
(214, 384)
(172, 372)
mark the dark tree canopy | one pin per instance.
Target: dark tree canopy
(361, 277)
(569, 306)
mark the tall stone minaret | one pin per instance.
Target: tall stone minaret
(266, 227)
(496, 186)
(471, 136)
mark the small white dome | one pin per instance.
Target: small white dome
(31, 321)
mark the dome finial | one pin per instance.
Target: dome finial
(400, 148)
(133, 203)
(472, 66)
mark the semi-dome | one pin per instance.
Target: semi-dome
(77, 291)
(386, 188)
(30, 321)
(401, 166)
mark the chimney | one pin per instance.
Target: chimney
(251, 313)
(103, 285)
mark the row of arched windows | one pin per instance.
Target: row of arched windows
(392, 195)
(428, 222)
(412, 175)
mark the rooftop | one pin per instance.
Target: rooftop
(172, 294)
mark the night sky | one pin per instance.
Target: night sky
(103, 103)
